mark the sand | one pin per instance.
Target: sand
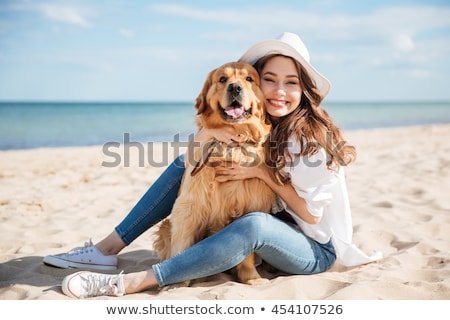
(54, 199)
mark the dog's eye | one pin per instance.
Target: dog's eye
(249, 79)
(223, 79)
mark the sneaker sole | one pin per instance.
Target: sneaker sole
(65, 264)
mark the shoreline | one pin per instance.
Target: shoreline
(54, 199)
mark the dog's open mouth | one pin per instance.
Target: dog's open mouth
(235, 111)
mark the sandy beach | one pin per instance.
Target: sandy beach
(52, 200)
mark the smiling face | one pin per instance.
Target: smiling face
(280, 85)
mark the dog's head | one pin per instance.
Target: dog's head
(230, 95)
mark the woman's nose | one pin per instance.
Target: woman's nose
(280, 88)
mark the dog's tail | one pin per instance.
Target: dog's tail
(162, 243)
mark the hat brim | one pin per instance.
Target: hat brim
(264, 48)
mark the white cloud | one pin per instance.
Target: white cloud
(403, 43)
(394, 26)
(67, 14)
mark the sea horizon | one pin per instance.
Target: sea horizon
(38, 124)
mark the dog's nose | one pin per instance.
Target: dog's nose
(234, 88)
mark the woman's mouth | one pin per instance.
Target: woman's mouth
(278, 103)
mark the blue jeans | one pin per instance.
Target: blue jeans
(275, 241)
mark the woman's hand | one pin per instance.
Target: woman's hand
(225, 134)
(229, 171)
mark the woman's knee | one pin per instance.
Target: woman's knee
(255, 223)
(179, 161)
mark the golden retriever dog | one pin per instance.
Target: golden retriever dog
(205, 204)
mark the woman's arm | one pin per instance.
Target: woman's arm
(286, 192)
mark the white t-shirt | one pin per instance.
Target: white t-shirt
(325, 193)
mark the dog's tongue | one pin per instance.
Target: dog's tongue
(234, 112)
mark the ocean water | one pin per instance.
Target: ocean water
(27, 125)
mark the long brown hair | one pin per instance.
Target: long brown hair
(310, 124)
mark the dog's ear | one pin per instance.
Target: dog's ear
(201, 102)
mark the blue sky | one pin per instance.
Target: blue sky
(121, 50)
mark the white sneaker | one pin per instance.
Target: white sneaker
(87, 257)
(85, 284)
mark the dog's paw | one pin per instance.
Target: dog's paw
(257, 281)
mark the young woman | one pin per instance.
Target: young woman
(312, 225)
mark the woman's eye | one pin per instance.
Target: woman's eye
(268, 80)
(223, 79)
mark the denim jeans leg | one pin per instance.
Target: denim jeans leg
(155, 205)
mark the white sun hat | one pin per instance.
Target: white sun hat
(288, 44)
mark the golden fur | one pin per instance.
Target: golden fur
(230, 97)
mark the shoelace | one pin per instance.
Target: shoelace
(79, 250)
(102, 284)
